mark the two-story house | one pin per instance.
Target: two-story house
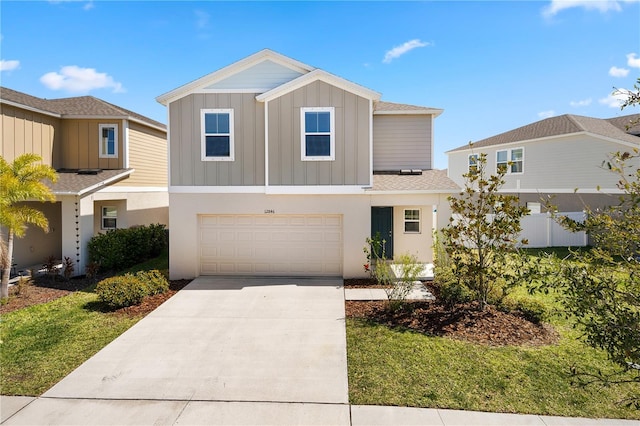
(561, 156)
(111, 165)
(561, 160)
(280, 168)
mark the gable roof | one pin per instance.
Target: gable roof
(563, 125)
(229, 70)
(316, 75)
(76, 107)
(391, 108)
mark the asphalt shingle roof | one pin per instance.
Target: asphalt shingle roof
(564, 125)
(71, 182)
(76, 106)
(429, 180)
(391, 106)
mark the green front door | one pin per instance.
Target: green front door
(382, 223)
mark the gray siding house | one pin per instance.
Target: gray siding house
(280, 168)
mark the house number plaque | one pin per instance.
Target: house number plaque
(269, 211)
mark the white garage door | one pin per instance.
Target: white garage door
(302, 245)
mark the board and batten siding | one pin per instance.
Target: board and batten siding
(81, 148)
(402, 142)
(265, 75)
(567, 163)
(187, 167)
(29, 132)
(148, 156)
(351, 164)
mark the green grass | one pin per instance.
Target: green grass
(41, 344)
(400, 367)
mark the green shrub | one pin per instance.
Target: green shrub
(531, 309)
(129, 289)
(154, 281)
(120, 248)
(121, 291)
(453, 291)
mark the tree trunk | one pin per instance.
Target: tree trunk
(6, 271)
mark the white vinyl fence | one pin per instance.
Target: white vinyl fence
(542, 231)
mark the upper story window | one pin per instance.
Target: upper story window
(510, 160)
(318, 134)
(412, 221)
(217, 134)
(473, 163)
(108, 140)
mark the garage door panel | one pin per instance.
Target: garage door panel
(271, 244)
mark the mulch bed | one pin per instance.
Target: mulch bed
(462, 322)
(44, 289)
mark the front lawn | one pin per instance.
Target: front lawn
(396, 366)
(41, 344)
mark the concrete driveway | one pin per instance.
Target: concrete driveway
(275, 348)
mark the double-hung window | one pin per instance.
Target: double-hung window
(473, 164)
(217, 134)
(109, 217)
(412, 221)
(318, 134)
(510, 160)
(502, 161)
(108, 140)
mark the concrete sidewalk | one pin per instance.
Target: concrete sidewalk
(144, 412)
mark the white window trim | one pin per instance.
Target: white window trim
(115, 140)
(477, 156)
(332, 135)
(510, 161)
(203, 137)
(103, 217)
(405, 221)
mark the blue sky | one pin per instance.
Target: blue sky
(492, 66)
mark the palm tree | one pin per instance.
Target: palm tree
(21, 181)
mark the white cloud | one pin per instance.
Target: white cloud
(87, 6)
(546, 114)
(632, 61)
(614, 100)
(600, 5)
(9, 65)
(398, 51)
(582, 103)
(75, 79)
(202, 19)
(618, 72)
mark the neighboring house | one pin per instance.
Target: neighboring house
(561, 157)
(111, 165)
(280, 168)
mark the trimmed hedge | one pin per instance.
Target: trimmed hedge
(120, 248)
(128, 289)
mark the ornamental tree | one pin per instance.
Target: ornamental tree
(482, 235)
(19, 182)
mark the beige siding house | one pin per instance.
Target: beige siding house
(280, 168)
(560, 157)
(111, 164)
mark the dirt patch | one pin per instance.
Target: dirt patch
(462, 322)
